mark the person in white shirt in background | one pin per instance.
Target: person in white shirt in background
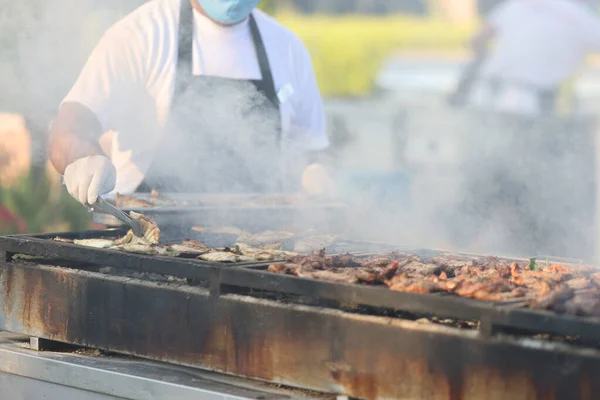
(205, 96)
(539, 44)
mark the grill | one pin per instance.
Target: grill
(362, 341)
(246, 211)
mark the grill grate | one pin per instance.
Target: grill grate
(247, 277)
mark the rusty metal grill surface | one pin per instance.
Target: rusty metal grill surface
(307, 347)
(252, 277)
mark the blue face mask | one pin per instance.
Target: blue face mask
(228, 12)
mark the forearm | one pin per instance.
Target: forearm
(74, 134)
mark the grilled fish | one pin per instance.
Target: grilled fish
(63, 240)
(188, 246)
(137, 248)
(262, 254)
(124, 201)
(140, 248)
(149, 227)
(96, 243)
(224, 256)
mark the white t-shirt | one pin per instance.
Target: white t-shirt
(541, 42)
(128, 81)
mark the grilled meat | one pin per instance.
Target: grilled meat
(148, 244)
(124, 201)
(149, 227)
(260, 254)
(188, 246)
(339, 276)
(224, 256)
(63, 240)
(344, 269)
(583, 303)
(555, 287)
(96, 243)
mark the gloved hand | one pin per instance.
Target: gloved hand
(317, 181)
(89, 177)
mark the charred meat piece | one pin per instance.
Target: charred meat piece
(407, 283)
(149, 227)
(417, 267)
(95, 243)
(262, 254)
(489, 289)
(335, 275)
(555, 300)
(189, 246)
(579, 283)
(224, 256)
(282, 268)
(63, 240)
(583, 303)
(124, 201)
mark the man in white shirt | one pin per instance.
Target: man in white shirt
(205, 95)
(539, 45)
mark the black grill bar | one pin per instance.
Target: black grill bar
(48, 249)
(372, 296)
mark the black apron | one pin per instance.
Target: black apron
(223, 135)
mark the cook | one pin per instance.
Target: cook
(196, 96)
(539, 44)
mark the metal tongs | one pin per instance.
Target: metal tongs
(104, 207)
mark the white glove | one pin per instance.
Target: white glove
(89, 177)
(317, 181)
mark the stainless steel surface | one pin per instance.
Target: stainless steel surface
(28, 374)
(16, 387)
(105, 207)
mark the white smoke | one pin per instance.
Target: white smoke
(481, 183)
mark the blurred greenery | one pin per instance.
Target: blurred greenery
(44, 207)
(268, 6)
(348, 51)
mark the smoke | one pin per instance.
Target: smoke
(484, 183)
(452, 179)
(43, 46)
